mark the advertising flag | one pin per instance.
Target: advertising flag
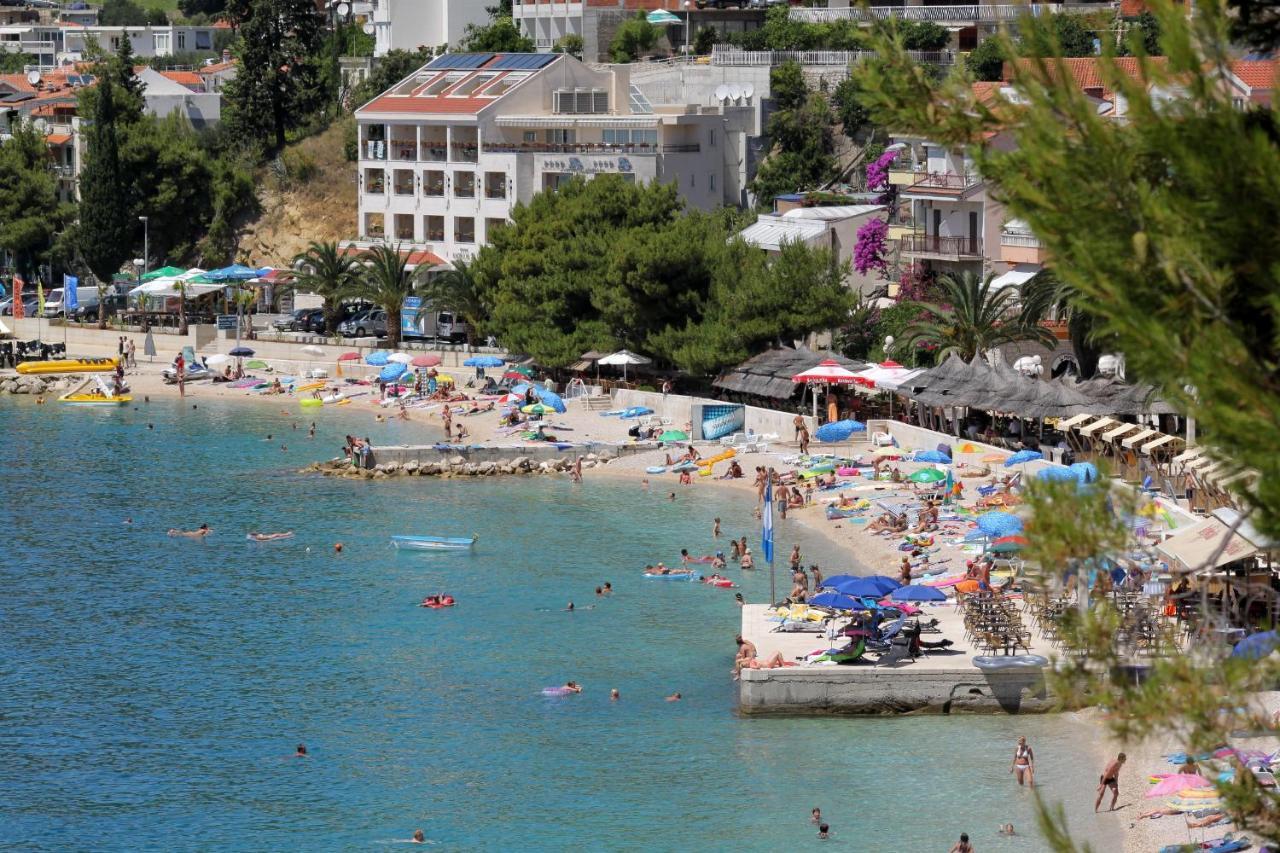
(70, 293)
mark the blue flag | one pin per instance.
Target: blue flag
(766, 535)
(70, 296)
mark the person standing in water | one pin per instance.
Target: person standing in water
(1024, 763)
(715, 529)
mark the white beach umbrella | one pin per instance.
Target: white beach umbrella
(217, 360)
(312, 349)
(400, 358)
(623, 357)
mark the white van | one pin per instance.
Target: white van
(54, 306)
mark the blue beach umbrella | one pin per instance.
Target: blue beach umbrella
(235, 272)
(839, 430)
(550, 398)
(888, 583)
(1023, 456)
(835, 580)
(916, 592)
(976, 536)
(1057, 474)
(241, 352)
(999, 524)
(1087, 472)
(392, 371)
(931, 456)
(866, 586)
(1257, 645)
(483, 361)
(836, 600)
(377, 359)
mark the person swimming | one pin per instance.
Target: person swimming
(301, 751)
(614, 695)
(270, 537)
(570, 607)
(674, 697)
(419, 837)
(573, 686)
(199, 533)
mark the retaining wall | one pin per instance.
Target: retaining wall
(427, 453)
(678, 407)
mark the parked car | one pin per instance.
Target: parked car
(289, 322)
(30, 306)
(54, 303)
(89, 313)
(363, 325)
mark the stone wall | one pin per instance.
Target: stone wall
(453, 461)
(677, 407)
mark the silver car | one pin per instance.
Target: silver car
(365, 324)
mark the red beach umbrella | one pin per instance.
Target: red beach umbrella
(425, 360)
(1011, 540)
(349, 356)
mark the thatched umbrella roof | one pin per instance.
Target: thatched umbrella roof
(769, 373)
(933, 387)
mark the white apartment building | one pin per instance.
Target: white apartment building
(145, 41)
(446, 153)
(410, 24)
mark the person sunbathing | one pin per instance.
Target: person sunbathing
(884, 522)
(770, 663)
(270, 537)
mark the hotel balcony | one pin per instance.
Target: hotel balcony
(1021, 248)
(941, 183)
(942, 248)
(586, 148)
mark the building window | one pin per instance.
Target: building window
(182, 41)
(464, 229)
(530, 136)
(551, 181)
(580, 101)
(374, 225)
(464, 184)
(404, 226)
(495, 184)
(434, 228)
(375, 181)
(491, 225)
(711, 181)
(693, 180)
(713, 138)
(562, 136)
(115, 43)
(404, 181)
(433, 185)
(160, 44)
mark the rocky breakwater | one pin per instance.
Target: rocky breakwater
(33, 384)
(455, 466)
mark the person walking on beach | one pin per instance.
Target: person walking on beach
(180, 370)
(1024, 763)
(131, 350)
(798, 423)
(1110, 778)
(804, 440)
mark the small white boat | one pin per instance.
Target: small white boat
(433, 543)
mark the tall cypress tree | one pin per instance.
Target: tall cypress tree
(105, 224)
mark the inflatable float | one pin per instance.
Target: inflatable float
(310, 402)
(558, 691)
(68, 365)
(719, 457)
(445, 601)
(685, 466)
(995, 663)
(656, 469)
(674, 575)
(723, 583)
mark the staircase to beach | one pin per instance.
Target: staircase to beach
(600, 403)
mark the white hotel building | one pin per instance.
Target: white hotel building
(446, 153)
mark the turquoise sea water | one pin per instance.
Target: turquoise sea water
(152, 688)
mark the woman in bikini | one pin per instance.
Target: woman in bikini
(1024, 763)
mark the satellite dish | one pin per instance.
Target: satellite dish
(748, 90)
(41, 125)
(368, 29)
(722, 93)
(734, 92)
(33, 77)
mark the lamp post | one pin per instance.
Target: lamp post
(146, 244)
(888, 348)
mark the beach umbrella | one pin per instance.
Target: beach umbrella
(991, 458)
(660, 17)
(839, 430)
(425, 360)
(1257, 645)
(1022, 457)
(1057, 474)
(400, 358)
(673, 435)
(931, 456)
(927, 475)
(257, 364)
(1175, 782)
(917, 592)
(836, 600)
(538, 409)
(976, 535)
(998, 523)
(623, 358)
(483, 361)
(967, 448)
(217, 360)
(149, 346)
(510, 399)
(392, 371)
(1087, 472)
(521, 370)
(875, 586)
(312, 349)
(834, 580)
(550, 398)
(349, 356)
(241, 352)
(444, 378)
(1005, 547)
(377, 359)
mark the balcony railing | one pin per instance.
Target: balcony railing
(1030, 241)
(975, 14)
(733, 57)
(945, 180)
(464, 153)
(587, 148)
(934, 245)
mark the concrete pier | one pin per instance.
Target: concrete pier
(942, 682)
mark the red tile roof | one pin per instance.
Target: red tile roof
(216, 67)
(405, 104)
(190, 79)
(1256, 73)
(58, 138)
(413, 257)
(1086, 70)
(18, 82)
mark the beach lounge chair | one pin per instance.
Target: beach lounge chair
(730, 440)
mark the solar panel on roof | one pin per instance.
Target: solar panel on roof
(523, 61)
(459, 61)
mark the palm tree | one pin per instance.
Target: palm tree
(324, 270)
(458, 290)
(386, 281)
(1045, 293)
(972, 318)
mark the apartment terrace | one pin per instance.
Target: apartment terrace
(933, 245)
(587, 148)
(945, 14)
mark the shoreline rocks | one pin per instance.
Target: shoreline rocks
(455, 466)
(33, 384)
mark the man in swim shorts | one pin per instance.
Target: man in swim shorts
(199, 533)
(1110, 778)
